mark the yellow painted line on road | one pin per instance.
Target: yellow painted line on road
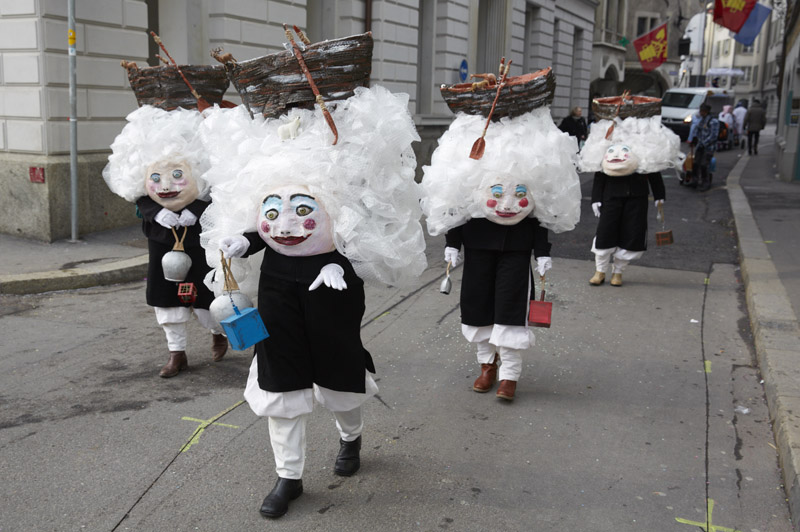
(707, 525)
(705, 281)
(708, 366)
(382, 315)
(203, 423)
(769, 241)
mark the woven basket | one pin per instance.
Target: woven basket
(519, 95)
(274, 83)
(163, 87)
(635, 106)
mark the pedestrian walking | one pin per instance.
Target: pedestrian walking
(157, 162)
(738, 115)
(499, 208)
(575, 125)
(321, 216)
(627, 157)
(703, 136)
(754, 122)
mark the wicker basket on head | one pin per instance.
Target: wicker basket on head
(626, 106)
(163, 87)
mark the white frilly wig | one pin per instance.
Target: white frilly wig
(153, 135)
(529, 148)
(656, 146)
(365, 181)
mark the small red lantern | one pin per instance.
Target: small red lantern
(187, 292)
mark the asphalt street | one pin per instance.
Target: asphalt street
(638, 406)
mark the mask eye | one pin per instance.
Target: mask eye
(610, 150)
(271, 214)
(155, 178)
(497, 192)
(625, 150)
(177, 174)
(303, 210)
(521, 192)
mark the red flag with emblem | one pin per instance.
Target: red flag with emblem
(732, 14)
(652, 48)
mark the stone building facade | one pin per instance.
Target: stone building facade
(419, 45)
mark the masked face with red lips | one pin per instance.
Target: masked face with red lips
(507, 202)
(292, 222)
(171, 184)
(619, 160)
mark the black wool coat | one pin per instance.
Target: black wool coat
(623, 213)
(315, 336)
(496, 283)
(160, 292)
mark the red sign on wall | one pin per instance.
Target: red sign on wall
(36, 174)
(732, 14)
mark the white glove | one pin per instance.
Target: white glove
(451, 256)
(659, 202)
(332, 275)
(543, 264)
(166, 218)
(234, 246)
(187, 218)
(596, 208)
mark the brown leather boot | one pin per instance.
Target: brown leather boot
(219, 346)
(177, 362)
(487, 378)
(506, 389)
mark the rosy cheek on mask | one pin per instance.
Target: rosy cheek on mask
(310, 224)
(523, 202)
(264, 227)
(153, 187)
(491, 203)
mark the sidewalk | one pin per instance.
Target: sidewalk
(773, 319)
(108, 257)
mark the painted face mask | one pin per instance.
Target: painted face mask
(506, 202)
(294, 223)
(619, 160)
(171, 184)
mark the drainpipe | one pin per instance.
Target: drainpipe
(367, 16)
(73, 123)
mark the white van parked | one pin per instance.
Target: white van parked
(678, 105)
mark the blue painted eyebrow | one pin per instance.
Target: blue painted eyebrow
(303, 199)
(272, 202)
(496, 188)
(522, 188)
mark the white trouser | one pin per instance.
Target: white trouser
(508, 341)
(288, 439)
(173, 320)
(602, 258)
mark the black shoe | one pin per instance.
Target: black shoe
(348, 461)
(277, 502)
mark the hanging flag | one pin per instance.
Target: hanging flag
(752, 26)
(732, 14)
(652, 48)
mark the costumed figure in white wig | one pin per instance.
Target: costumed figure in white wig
(328, 217)
(627, 155)
(157, 162)
(499, 204)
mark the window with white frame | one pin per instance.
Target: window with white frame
(645, 24)
(748, 71)
(726, 47)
